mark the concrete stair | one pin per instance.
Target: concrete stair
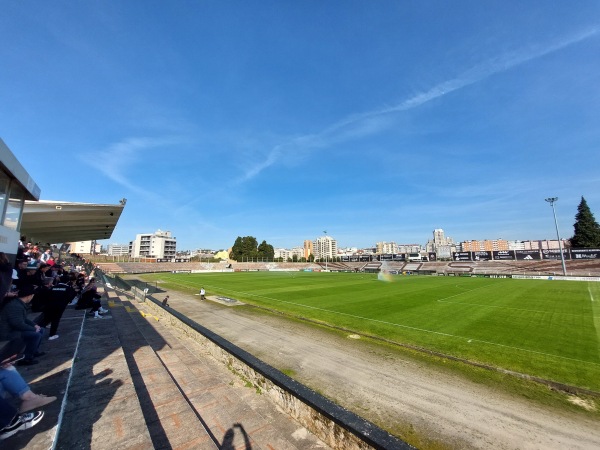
(135, 385)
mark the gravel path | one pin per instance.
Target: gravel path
(393, 391)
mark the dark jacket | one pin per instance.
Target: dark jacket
(5, 278)
(13, 320)
(60, 295)
(87, 299)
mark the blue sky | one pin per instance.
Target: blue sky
(375, 121)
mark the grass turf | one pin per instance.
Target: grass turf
(548, 329)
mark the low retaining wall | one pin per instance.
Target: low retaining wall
(334, 425)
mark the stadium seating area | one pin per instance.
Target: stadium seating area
(540, 267)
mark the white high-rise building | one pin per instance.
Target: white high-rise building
(325, 247)
(157, 245)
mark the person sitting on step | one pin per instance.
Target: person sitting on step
(91, 299)
(15, 324)
(12, 382)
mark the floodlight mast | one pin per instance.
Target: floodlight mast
(551, 200)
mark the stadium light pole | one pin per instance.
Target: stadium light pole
(551, 200)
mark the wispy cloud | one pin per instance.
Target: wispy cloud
(370, 122)
(128, 153)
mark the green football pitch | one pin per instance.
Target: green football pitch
(548, 329)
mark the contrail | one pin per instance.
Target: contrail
(469, 77)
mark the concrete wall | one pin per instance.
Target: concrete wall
(334, 425)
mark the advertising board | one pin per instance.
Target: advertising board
(554, 254)
(500, 255)
(481, 256)
(585, 253)
(524, 255)
(461, 256)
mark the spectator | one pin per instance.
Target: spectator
(43, 284)
(91, 299)
(72, 281)
(28, 250)
(14, 324)
(43, 273)
(21, 267)
(5, 274)
(29, 275)
(80, 282)
(57, 300)
(11, 422)
(46, 256)
(13, 383)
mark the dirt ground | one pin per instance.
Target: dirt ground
(436, 408)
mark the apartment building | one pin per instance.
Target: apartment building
(386, 248)
(117, 249)
(325, 247)
(286, 254)
(160, 244)
(308, 248)
(84, 247)
(485, 245)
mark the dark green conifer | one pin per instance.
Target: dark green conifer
(587, 230)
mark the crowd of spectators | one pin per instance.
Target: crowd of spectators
(34, 293)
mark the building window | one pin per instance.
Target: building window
(14, 207)
(4, 182)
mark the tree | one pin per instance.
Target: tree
(247, 248)
(244, 247)
(266, 251)
(587, 230)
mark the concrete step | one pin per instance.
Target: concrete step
(101, 408)
(232, 413)
(127, 382)
(171, 421)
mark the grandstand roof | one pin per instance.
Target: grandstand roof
(55, 222)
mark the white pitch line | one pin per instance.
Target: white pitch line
(516, 309)
(412, 328)
(444, 300)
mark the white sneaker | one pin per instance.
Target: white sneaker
(102, 310)
(97, 316)
(21, 422)
(51, 338)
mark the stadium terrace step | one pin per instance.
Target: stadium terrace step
(188, 399)
(170, 418)
(97, 406)
(102, 408)
(125, 382)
